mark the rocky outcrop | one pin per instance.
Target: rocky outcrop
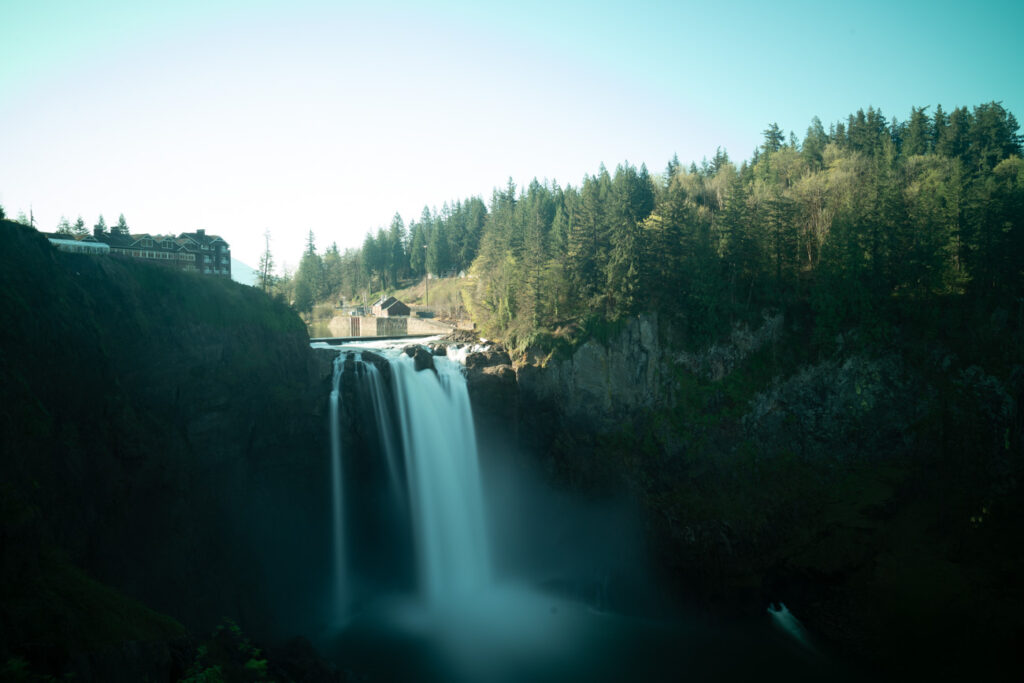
(600, 382)
(493, 390)
(821, 410)
(720, 359)
(423, 358)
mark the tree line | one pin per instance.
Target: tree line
(76, 229)
(442, 243)
(852, 222)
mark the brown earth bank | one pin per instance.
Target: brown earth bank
(874, 491)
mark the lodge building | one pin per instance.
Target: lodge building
(191, 251)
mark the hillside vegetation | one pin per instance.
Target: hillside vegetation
(860, 225)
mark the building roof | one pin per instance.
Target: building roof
(65, 239)
(182, 242)
(201, 238)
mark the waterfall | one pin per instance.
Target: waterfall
(417, 595)
(447, 506)
(382, 415)
(338, 491)
(413, 484)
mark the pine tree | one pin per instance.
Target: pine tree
(918, 136)
(632, 201)
(266, 266)
(583, 260)
(397, 238)
(121, 228)
(742, 248)
(418, 250)
(774, 138)
(438, 256)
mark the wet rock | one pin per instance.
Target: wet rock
(493, 356)
(461, 337)
(322, 364)
(423, 358)
(494, 393)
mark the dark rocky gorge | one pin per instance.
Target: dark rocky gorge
(844, 487)
(162, 449)
(165, 465)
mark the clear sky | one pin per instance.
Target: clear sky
(239, 117)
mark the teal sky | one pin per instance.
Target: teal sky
(331, 116)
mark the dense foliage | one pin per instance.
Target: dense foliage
(856, 222)
(442, 243)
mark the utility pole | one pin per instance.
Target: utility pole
(426, 279)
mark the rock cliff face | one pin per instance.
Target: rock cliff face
(163, 432)
(866, 489)
(601, 382)
(634, 371)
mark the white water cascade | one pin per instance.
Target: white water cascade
(447, 506)
(419, 592)
(422, 423)
(338, 493)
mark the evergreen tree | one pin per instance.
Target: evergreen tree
(719, 161)
(266, 265)
(308, 279)
(63, 227)
(333, 271)
(584, 263)
(672, 169)
(372, 261)
(418, 250)
(992, 137)
(475, 217)
(537, 215)
(121, 228)
(79, 229)
(101, 226)
(953, 140)
(438, 257)
(773, 139)
(742, 249)
(632, 200)
(397, 239)
(940, 122)
(918, 136)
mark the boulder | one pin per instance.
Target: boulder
(422, 357)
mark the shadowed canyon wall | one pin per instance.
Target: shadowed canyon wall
(163, 432)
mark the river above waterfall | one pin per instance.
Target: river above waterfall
(456, 565)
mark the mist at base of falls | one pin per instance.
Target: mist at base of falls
(545, 586)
